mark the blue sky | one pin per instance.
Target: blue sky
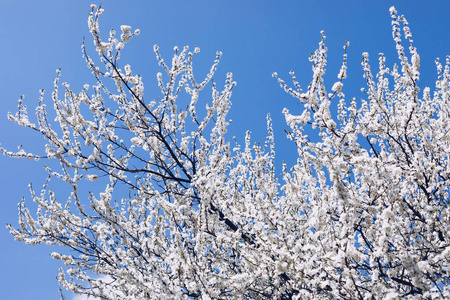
(256, 38)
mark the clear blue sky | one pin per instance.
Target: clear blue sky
(256, 37)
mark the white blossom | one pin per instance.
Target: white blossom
(92, 177)
(337, 87)
(180, 213)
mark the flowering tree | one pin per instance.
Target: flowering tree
(364, 214)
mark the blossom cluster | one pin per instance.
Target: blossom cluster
(186, 214)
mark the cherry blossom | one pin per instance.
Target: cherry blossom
(184, 213)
